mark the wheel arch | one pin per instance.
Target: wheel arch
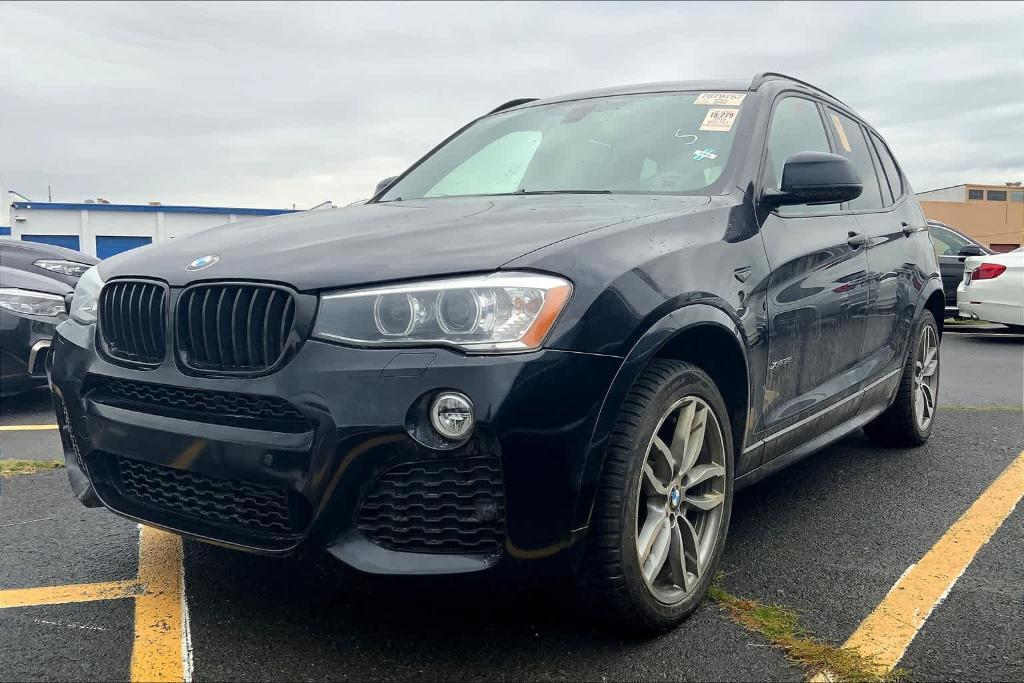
(700, 333)
(936, 303)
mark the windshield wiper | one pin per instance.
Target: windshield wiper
(564, 192)
(505, 194)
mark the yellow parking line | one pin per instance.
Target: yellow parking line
(26, 428)
(56, 595)
(159, 652)
(162, 647)
(887, 632)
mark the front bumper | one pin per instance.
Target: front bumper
(312, 476)
(24, 344)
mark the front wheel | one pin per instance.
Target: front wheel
(909, 420)
(664, 501)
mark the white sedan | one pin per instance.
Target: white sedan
(993, 289)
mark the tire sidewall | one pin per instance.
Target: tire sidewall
(688, 382)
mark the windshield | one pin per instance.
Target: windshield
(652, 143)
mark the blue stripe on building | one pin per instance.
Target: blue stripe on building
(145, 208)
(66, 241)
(5, 230)
(107, 246)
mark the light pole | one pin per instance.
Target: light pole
(17, 194)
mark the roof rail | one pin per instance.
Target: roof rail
(762, 78)
(511, 103)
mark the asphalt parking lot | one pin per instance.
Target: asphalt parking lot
(827, 538)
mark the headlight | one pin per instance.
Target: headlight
(31, 303)
(72, 268)
(86, 299)
(484, 314)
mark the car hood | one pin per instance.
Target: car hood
(22, 279)
(388, 241)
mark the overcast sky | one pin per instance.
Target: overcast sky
(269, 105)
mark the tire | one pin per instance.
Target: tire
(611, 583)
(901, 425)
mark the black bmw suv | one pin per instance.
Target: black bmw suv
(560, 340)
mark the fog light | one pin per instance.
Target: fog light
(451, 414)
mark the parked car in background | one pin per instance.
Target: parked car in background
(992, 289)
(35, 279)
(557, 343)
(952, 249)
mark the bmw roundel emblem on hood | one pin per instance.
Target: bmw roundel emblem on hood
(203, 262)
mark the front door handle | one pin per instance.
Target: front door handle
(856, 239)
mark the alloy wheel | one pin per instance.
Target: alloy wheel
(681, 499)
(926, 377)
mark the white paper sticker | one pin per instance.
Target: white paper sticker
(719, 120)
(721, 99)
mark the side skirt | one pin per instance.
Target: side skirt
(815, 444)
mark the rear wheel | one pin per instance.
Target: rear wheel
(664, 501)
(909, 420)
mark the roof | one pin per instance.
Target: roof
(987, 186)
(665, 86)
(750, 85)
(147, 208)
(1004, 186)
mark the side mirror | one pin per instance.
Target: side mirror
(971, 250)
(384, 184)
(816, 178)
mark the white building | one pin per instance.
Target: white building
(107, 229)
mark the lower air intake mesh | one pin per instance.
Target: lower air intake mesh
(221, 501)
(437, 506)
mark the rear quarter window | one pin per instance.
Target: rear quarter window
(892, 172)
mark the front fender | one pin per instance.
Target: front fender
(646, 348)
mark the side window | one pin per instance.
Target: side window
(946, 242)
(796, 127)
(892, 172)
(511, 153)
(883, 184)
(852, 145)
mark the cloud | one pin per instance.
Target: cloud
(280, 104)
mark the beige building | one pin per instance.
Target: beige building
(991, 214)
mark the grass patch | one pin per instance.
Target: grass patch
(781, 626)
(11, 468)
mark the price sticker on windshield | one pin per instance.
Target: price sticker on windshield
(721, 99)
(719, 120)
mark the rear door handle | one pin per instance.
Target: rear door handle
(856, 239)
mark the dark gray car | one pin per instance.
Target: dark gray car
(35, 279)
(952, 248)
